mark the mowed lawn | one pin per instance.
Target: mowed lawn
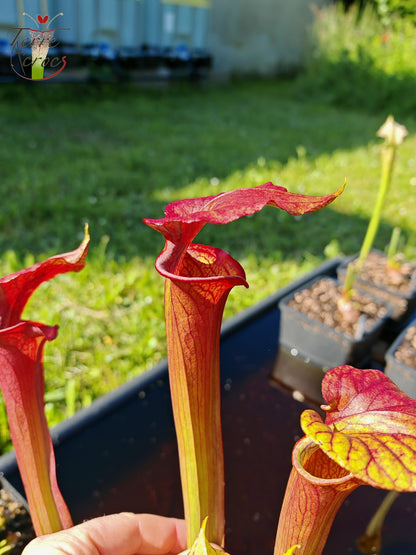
(116, 153)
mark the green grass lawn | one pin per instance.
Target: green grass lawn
(113, 154)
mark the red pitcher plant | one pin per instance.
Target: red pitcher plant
(198, 281)
(22, 384)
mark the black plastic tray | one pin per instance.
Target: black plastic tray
(119, 454)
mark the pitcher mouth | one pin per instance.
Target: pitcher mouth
(213, 265)
(304, 460)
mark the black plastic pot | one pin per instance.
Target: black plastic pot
(402, 374)
(404, 304)
(308, 348)
(120, 453)
(16, 525)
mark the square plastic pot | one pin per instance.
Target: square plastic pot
(320, 345)
(403, 304)
(403, 375)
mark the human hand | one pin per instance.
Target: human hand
(118, 534)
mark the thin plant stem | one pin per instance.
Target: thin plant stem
(393, 245)
(387, 162)
(370, 542)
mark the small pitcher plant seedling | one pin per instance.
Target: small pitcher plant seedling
(393, 133)
(22, 385)
(392, 265)
(201, 545)
(395, 267)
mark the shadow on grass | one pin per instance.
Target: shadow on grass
(280, 236)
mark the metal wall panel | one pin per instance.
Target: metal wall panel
(121, 23)
(200, 28)
(33, 8)
(151, 22)
(131, 33)
(86, 20)
(168, 24)
(8, 15)
(184, 25)
(184, 21)
(108, 24)
(69, 20)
